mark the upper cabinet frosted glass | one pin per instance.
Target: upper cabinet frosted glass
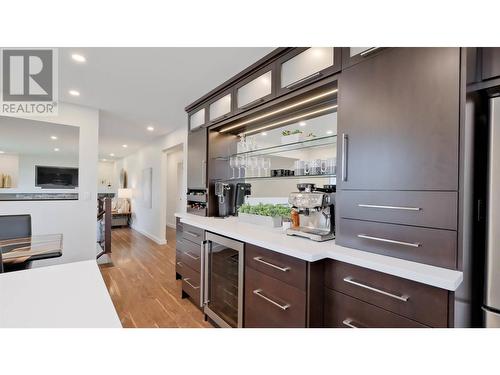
(197, 119)
(220, 107)
(254, 90)
(306, 64)
(353, 51)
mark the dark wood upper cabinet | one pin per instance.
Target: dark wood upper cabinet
(490, 63)
(302, 66)
(197, 118)
(255, 89)
(399, 121)
(221, 107)
(354, 55)
(197, 159)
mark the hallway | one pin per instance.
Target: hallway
(142, 285)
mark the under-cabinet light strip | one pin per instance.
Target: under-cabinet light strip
(290, 119)
(305, 101)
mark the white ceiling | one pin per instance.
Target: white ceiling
(138, 87)
(30, 137)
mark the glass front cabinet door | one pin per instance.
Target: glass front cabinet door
(354, 55)
(255, 89)
(220, 108)
(197, 119)
(305, 65)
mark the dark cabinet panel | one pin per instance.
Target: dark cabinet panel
(270, 303)
(342, 311)
(191, 284)
(399, 121)
(436, 247)
(193, 234)
(290, 270)
(491, 63)
(401, 296)
(190, 254)
(434, 209)
(197, 159)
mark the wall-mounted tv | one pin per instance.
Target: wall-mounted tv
(56, 177)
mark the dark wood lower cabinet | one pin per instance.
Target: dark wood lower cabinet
(270, 303)
(342, 311)
(191, 285)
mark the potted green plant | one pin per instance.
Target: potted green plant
(270, 215)
(292, 136)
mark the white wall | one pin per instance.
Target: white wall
(76, 220)
(173, 159)
(9, 165)
(152, 222)
(105, 175)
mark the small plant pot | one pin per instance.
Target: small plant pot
(267, 221)
(292, 138)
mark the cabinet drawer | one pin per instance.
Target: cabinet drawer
(290, 270)
(192, 234)
(437, 247)
(422, 208)
(191, 284)
(190, 254)
(342, 311)
(404, 297)
(270, 303)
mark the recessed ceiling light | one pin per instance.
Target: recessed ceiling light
(2, 152)
(151, 128)
(329, 132)
(111, 154)
(302, 123)
(124, 146)
(104, 159)
(74, 93)
(263, 133)
(53, 137)
(56, 149)
(78, 58)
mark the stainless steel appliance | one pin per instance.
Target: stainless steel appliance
(242, 190)
(491, 307)
(225, 198)
(316, 207)
(223, 280)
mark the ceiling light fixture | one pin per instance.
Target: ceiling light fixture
(53, 137)
(2, 152)
(104, 159)
(302, 123)
(111, 154)
(263, 133)
(74, 93)
(283, 109)
(321, 110)
(329, 132)
(151, 128)
(78, 58)
(124, 146)
(56, 149)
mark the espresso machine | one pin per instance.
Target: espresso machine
(225, 198)
(243, 190)
(316, 209)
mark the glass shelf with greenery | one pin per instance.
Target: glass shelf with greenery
(292, 146)
(276, 177)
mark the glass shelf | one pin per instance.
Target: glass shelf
(277, 178)
(307, 143)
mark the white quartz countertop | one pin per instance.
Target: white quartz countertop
(69, 295)
(275, 239)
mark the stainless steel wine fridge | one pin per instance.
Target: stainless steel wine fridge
(223, 267)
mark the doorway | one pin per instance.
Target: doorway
(175, 183)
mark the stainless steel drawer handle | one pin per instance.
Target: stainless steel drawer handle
(192, 234)
(191, 285)
(401, 297)
(258, 292)
(369, 51)
(410, 244)
(260, 260)
(191, 256)
(349, 323)
(305, 79)
(344, 156)
(403, 208)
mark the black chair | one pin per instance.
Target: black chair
(12, 227)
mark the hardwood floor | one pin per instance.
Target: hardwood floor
(142, 285)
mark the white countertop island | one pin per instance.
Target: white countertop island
(275, 239)
(69, 295)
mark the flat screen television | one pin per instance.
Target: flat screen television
(56, 177)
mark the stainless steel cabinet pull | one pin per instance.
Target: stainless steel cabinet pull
(344, 156)
(253, 102)
(203, 172)
(305, 79)
(410, 244)
(401, 297)
(369, 51)
(258, 292)
(349, 323)
(191, 256)
(390, 207)
(192, 234)
(283, 269)
(191, 285)
(202, 270)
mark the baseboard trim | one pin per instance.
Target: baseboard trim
(170, 225)
(152, 237)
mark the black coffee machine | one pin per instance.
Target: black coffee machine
(225, 198)
(242, 190)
